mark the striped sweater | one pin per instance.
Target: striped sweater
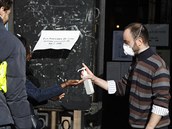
(147, 83)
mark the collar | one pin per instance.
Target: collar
(1, 21)
(145, 54)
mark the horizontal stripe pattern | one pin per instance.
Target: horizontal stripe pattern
(149, 85)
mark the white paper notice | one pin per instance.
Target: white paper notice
(55, 39)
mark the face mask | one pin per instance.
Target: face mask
(128, 50)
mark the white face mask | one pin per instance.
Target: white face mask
(128, 50)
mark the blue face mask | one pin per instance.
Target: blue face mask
(128, 50)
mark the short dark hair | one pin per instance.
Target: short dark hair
(138, 29)
(6, 4)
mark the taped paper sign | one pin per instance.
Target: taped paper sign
(55, 39)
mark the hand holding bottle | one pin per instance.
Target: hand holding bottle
(90, 75)
(87, 81)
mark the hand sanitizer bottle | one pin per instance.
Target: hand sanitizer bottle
(87, 83)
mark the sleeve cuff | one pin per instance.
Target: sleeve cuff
(111, 87)
(160, 110)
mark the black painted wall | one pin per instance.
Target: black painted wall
(56, 66)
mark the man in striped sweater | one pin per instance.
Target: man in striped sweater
(147, 82)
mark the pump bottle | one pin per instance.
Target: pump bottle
(87, 83)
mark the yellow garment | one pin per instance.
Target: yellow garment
(3, 79)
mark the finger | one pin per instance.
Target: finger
(87, 69)
(84, 65)
(61, 96)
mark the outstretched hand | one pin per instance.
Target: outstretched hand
(71, 83)
(56, 98)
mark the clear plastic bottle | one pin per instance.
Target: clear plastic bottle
(88, 85)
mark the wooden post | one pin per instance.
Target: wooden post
(77, 119)
(53, 119)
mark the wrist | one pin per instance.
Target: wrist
(93, 79)
(149, 127)
(63, 85)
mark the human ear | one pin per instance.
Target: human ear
(139, 41)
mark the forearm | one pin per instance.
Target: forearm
(49, 92)
(100, 82)
(42, 94)
(157, 113)
(63, 85)
(154, 120)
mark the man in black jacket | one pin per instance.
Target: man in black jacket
(14, 106)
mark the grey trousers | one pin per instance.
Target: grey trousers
(5, 127)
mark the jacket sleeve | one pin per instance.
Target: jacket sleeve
(42, 94)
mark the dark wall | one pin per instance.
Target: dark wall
(56, 66)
